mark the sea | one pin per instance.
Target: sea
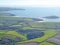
(37, 12)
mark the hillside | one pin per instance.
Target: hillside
(21, 30)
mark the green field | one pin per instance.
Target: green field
(13, 35)
(46, 43)
(48, 34)
(10, 27)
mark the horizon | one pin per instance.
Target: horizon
(30, 3)
(34, 7)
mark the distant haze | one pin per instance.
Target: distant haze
(36, 12)
(30, 3)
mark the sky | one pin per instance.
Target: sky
(30, 3)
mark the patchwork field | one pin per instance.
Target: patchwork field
(26, 31)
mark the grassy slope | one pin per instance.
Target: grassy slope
(16, 34)
(2, 33)
(48, 34)
(12, 34)
(46, 43)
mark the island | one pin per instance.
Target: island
(8, 9)
(51, 17)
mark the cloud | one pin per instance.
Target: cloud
(32, 3)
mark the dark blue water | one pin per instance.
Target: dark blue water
(35, 12)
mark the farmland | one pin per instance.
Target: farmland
(26, 31)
